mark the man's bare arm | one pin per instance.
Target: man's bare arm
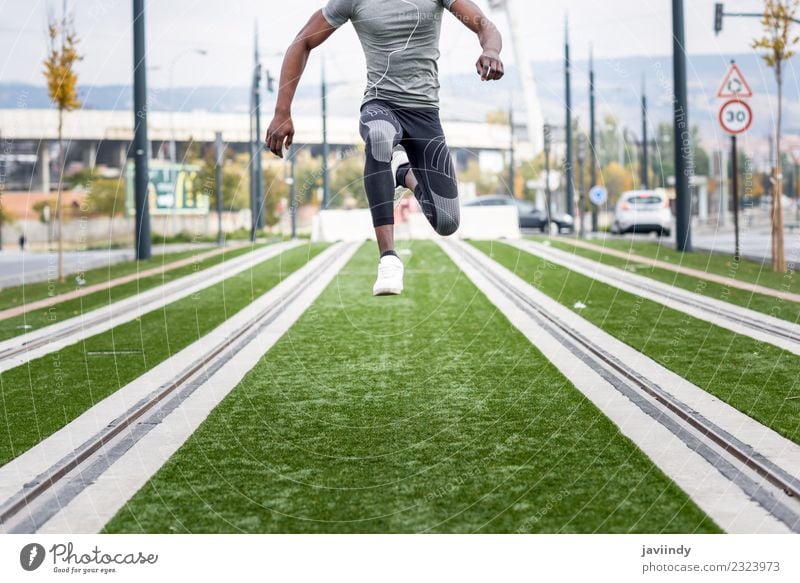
(489, 65)
(281, 131)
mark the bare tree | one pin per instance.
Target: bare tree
(778, 43)
(62, 85)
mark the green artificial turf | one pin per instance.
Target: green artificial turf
(427, 412)
(756, 378)
(43, 395)
(745, 270)
(761, 303)
(35, 319)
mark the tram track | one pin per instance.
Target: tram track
(21, 349)
(759, 326)
(759, 476)
(43, 496)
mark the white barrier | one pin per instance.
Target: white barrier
(500, 222)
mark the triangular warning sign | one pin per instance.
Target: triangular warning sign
(734, 86)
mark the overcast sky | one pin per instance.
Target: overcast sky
(225, 30)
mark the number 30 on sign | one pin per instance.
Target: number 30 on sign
(735, 117)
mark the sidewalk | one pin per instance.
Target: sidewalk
(19, 268)
(85, 291)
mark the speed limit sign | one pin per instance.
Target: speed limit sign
(735, 117)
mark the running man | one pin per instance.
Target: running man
(405, 144)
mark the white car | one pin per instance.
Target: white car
(643, 211)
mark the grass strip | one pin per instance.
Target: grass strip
(427, 412)
(43, 395)
(756, 378)
(24, 323)
(775, 307)
(746, 270)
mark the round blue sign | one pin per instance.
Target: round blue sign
(598, 195)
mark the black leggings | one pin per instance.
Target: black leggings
(419, 131)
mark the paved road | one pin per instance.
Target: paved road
(754, 243)
(17, 268)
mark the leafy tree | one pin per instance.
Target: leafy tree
(778, 43)
(616, 180)
(62, 82)
(610, 142)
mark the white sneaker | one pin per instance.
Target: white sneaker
(390, 277)
(399, 158)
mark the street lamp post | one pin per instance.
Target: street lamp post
(325, 148)
(140, 143)
(683, 146)
(220, 152)
(548, 141)
(592, 137)
(645, 174)
(570, 183)
(581, 183)
(512, 176)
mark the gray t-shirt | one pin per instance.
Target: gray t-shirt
(401, 43)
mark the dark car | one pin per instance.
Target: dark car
(529, 216)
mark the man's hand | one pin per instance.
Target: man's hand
(489, 66)
(280, 133)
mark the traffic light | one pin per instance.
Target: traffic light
(718, 14)
(270, 82)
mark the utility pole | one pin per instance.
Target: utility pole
(570, 186)
(325, 151)
(581, 184)
(293, 201)
(592, 136)
(512, 178)
(683, 146)
(141, 146)
(547, 143)
(735, 195)
(220, 150)
(645, 175)
(259, 218)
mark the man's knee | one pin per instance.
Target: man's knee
(447, 225)
(381, 139)
(447, 215)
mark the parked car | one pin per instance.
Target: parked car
(529, 216)
(642, 211)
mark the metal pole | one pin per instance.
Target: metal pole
(253, 205)
(581, 184)
(645, 178)
(220, 160)
(141, 148)
(592, 137)
(796, 192)
(325, 150)
(570, 190)
(547, 142)
(735, 192)
(3, 184)
(683, 146)
(512, 178)
(293, 202)
(257, 110)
